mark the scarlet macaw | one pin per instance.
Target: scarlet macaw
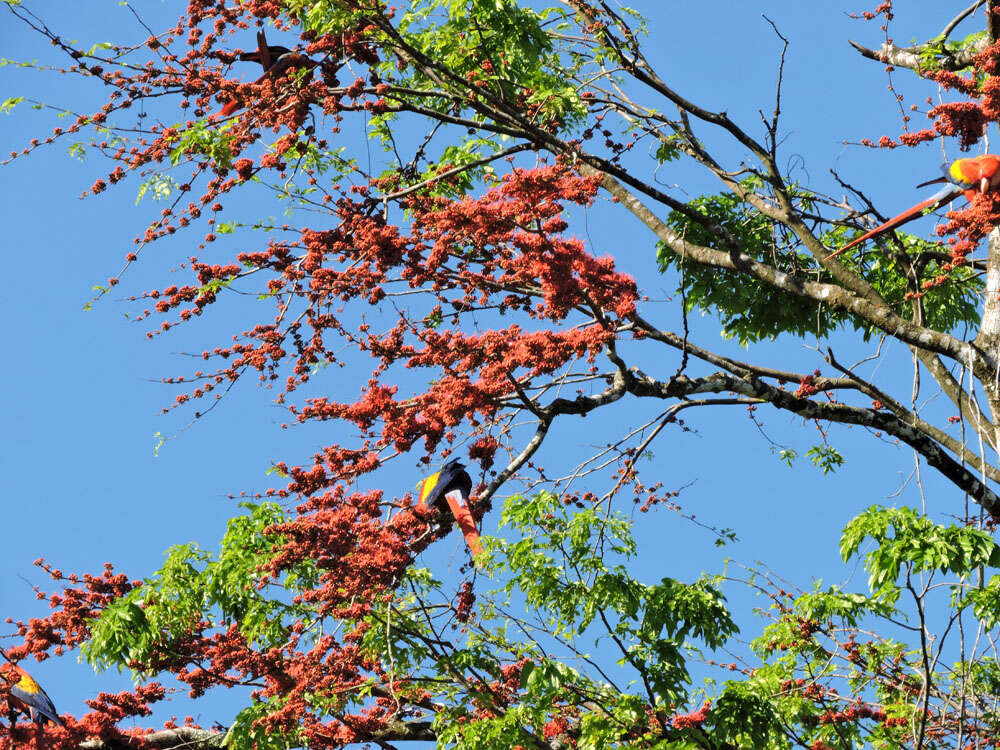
(274, 59)
(969, 176)
(453, 485)
(30, 693)
(266, 54)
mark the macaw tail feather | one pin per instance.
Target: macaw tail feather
(935, 201)
(263, 52)
(460, 510)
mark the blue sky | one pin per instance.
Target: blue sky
(81, 483)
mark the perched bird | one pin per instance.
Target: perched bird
(30, 693)
(969, 176)
(275, 60)
(450, 488)
(265, 53)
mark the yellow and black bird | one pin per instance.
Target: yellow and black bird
(29, 693)
(448, 490)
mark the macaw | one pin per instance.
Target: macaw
(30, 693)
(266, 54)
(969, 176)
(274, 59)
(453, 485)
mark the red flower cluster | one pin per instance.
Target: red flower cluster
(694, 719)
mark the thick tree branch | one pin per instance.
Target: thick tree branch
(879, 315)
(913, 419)
(638, 384)
(933, 453)
(909, 57)
(988, 338)
(967, 406)
(189, 738)
(743, 369)
(953, 23)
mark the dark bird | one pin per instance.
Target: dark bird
(265, 54)
(448, 490)
(275, 60)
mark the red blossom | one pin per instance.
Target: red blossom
(694, 719)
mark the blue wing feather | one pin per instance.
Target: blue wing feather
(452, 476)
(39, 701)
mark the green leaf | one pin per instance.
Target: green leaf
(826, 457)
(8, 104)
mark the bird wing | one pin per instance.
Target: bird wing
(937, 200)
(31, 694)
(265, 52)
(451, 476)
(231, 106)
(430, 489)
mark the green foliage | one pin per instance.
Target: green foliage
(7, 105)
(788, 455)
(826, 457)
(908, 543)
(828, 638)
(744, 716)
(945, 307)
(499, 44)
(570, 570)
(202, 140)
(933, 52)
(193, 586)
(752, 311)
(158, 186)
(668, 150)
(564, 566)
(749, 310)
(247, 731)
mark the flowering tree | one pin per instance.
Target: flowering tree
(450, 272)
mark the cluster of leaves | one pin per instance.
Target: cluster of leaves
(831, 667)
(934, 51)
(751, 311)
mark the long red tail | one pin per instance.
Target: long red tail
(460, 510)
(936, 200)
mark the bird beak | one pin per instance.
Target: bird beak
(984, 184)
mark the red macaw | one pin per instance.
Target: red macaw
(274, 59)
(969, 176)
(266, 54)
(454, 485)
(30, 693)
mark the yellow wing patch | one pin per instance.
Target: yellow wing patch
(427, 487)
(955, 170)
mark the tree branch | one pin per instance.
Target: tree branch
(189, 738)
(879, 314)
(909, 57)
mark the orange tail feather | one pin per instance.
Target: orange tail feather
(908, 215)
(460, 510)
